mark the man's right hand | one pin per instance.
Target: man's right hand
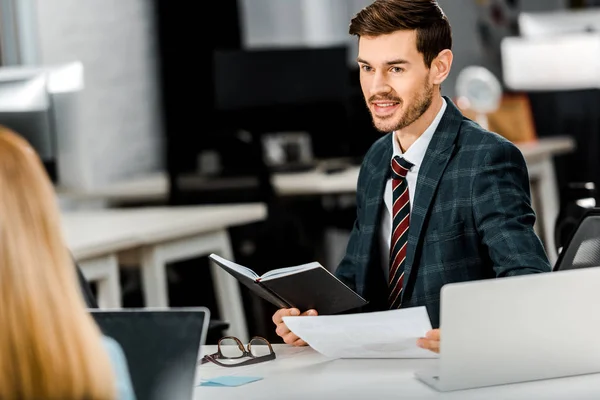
(282, 330)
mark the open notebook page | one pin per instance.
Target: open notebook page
(236, 267)
(289, 270)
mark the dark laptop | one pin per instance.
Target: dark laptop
(162, 347)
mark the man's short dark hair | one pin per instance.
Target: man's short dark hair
(423, 16)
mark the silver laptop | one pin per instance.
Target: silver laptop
(518, 329)
(162, 347)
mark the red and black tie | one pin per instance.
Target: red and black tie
(400, 224)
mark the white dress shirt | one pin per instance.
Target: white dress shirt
(415, 155)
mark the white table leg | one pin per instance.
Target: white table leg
(154, 277)
(154, 280)
(104, 271)
(547, 197)
(229, 297)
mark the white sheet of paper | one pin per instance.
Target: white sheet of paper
(383, 334)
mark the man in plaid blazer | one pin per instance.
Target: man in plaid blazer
(471, 217)
(470, 214)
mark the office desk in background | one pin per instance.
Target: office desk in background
(538, 155)
(151, 237)
(302, 373)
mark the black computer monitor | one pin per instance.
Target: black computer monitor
(262, 78)
(271, 90)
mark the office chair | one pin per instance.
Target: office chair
(86, 290)
(575, 201)
(582, 250)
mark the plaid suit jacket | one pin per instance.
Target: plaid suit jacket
(471, 217)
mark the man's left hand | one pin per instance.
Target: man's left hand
(431, 341)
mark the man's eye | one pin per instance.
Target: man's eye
(365, 68)
(397, 70)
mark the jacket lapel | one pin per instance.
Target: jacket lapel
(376, 186)
(436, 158)
(374, 189)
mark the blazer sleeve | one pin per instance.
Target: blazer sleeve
(346, 270)
(503, 214)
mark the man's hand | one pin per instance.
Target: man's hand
(431, 341)
(283, 331)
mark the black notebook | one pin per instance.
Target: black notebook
(305, 287)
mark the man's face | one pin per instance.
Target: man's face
(394, 79)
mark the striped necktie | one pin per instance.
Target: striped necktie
(400, 224)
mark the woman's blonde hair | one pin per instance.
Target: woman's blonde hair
(50, 347)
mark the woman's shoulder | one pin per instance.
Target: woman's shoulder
(113, 347)
(119, 363)
(115, 353)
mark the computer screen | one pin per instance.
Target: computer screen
(161, 347)
(279, 76)
(288, 89)
(25, 107)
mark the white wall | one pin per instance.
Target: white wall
(267, 23)
(275, 23)
(121, 133)
(316, 22)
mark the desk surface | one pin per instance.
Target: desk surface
(91, 233)
(316, 182)
(302, 373)
(319, 183)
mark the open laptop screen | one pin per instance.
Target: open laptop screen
(162, 347)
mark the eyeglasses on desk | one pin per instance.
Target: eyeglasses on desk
(231, 351)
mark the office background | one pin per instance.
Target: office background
(118, 43)
(148, 107)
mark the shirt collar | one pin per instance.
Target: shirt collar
(416, 152)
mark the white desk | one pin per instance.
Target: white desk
(95, 244)
(152, 237)
(538, 155)
(302, 373)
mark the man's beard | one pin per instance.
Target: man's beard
(413, 113)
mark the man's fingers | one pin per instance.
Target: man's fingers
(433, 334)
(431, 341)
(277, 317)
(290, 338)
(283, 312)
(432, 345)
(299, 343)
(282, 330)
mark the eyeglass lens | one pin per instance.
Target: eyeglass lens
(231, 348)
(259, 347)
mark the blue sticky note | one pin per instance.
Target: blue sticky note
(224, 381)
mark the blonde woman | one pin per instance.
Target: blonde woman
(50, 347)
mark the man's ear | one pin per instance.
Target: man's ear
(440, 67)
